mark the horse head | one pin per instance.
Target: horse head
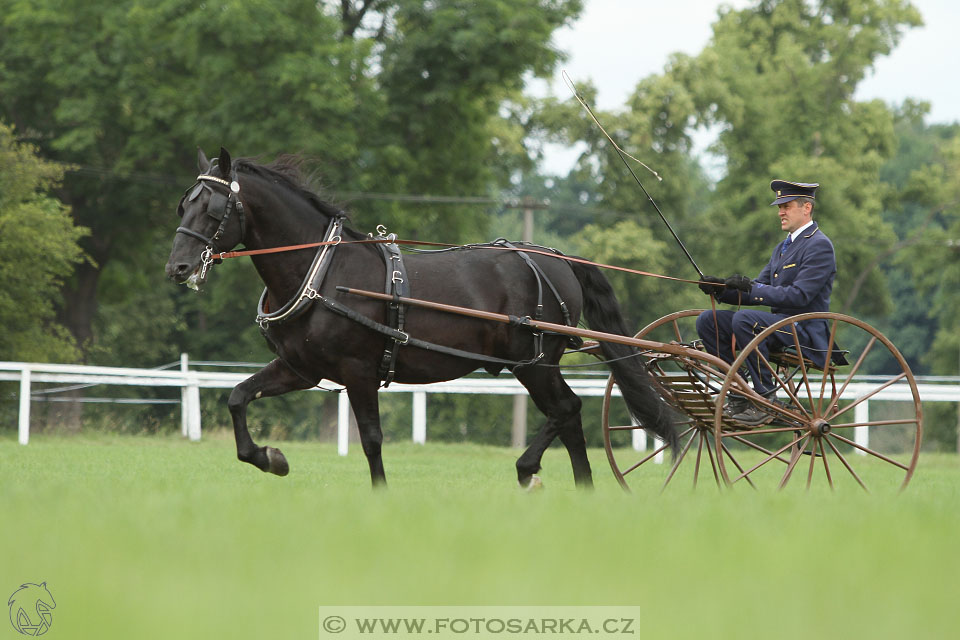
(212, 220)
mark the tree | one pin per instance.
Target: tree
(627, 229)
(38, 249)
(777, 81)
(390, 95)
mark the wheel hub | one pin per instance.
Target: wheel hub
(819, 427)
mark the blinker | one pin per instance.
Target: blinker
(217, 206)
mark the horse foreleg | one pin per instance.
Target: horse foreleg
(273, 380)
(366, 408)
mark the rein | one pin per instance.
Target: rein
(338, 241)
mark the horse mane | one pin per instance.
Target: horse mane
(288, 171)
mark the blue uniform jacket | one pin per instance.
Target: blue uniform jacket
(797, 280)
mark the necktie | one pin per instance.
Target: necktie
(786, 245)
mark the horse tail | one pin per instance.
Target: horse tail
(643, 399)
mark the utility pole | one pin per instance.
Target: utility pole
(518, 431)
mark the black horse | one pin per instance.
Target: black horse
(263, 206)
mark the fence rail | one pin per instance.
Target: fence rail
(190, 381)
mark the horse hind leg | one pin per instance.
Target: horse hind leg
(554, 398)
(273, 380)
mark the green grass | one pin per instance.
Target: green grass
(160, 538)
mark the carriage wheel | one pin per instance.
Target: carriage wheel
(678, 377)
(821, 424)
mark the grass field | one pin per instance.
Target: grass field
(156, 537)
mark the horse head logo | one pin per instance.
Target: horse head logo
(30, 609)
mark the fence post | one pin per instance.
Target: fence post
(184, 398)
(189, 402)
(420, 417)
(518, 429)
(24, 425)
(861, 435)
(343, 423)
(638, 437)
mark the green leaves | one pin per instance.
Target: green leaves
(390, 96)
(38, 249)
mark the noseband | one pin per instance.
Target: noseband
(219, 208)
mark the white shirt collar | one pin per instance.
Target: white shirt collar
(796, 234)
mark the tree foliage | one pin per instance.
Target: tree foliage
(776, 81)
(779, 80)
(38, 250)
(395, 96)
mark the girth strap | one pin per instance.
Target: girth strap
(541, 278)
(397, 286)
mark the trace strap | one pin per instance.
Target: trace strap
(404, 339)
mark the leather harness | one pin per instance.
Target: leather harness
(221, 206)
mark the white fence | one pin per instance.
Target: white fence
(191, 381)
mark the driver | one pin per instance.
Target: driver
(797, 279)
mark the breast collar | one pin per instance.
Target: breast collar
(310, 288)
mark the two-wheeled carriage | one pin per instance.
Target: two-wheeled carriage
(820, 424)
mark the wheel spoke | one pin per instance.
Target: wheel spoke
(826, 467)
(874, 423)
(676, 464)
(676, 330)
(696, 468)
(813, 461)
(626, 427)
(856, 366)
(737, 464)
(803, 366)
(869, 395)
(770, 457)
(786, 387)
(846, 464)
(754, 445)
(756, 432)
(713, 463)
(826, 367)
(655, 452)
(869, 451)
(794, 459)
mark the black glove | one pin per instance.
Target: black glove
(737, 281)
(711, 285)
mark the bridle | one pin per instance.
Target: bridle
(219, 207)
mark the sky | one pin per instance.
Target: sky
(616, 43)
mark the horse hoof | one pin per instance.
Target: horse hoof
(535, 484)
(278, 463)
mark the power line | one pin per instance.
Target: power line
(349, 196)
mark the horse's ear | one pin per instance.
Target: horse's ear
(225, 163)
(202, 163)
